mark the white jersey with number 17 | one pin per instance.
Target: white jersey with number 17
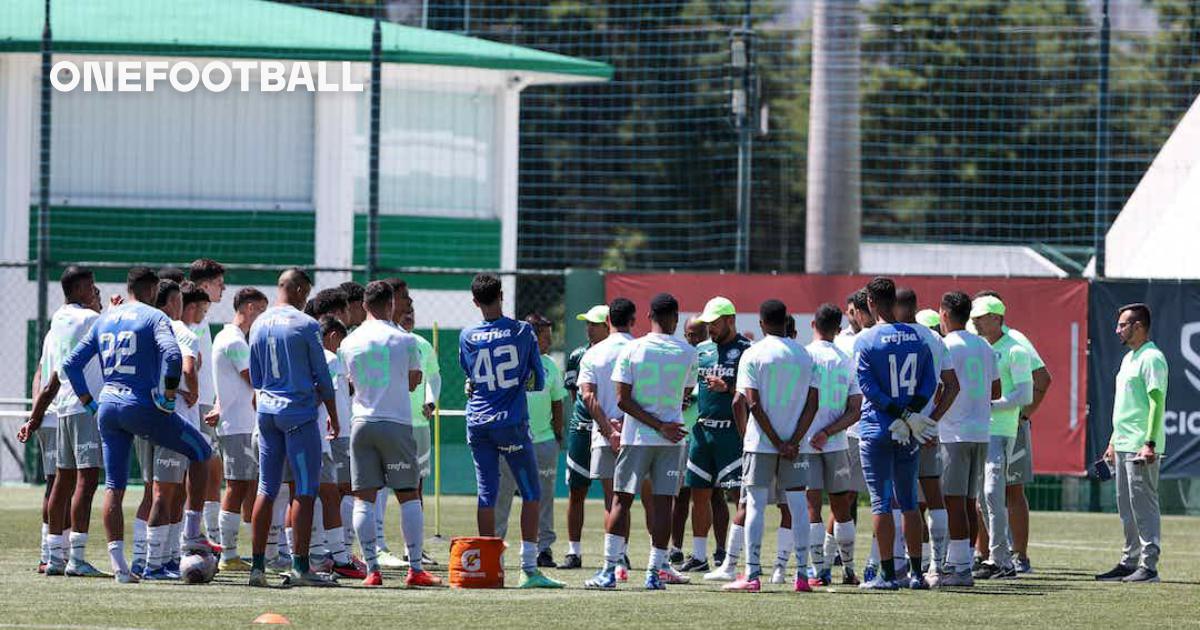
(782, 372)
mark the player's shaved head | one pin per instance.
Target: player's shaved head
(695, 331)
(906, 305)
(142, 283)
(664, 313)
(78, 284)
(772, 315)
(294, 285)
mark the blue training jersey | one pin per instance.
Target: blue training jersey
(895, 372)
(137, 352)
(499, 358)
(287, 364)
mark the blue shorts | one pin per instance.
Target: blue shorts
(121, 422)
(487, 444)
(891, 472)
(299, 443)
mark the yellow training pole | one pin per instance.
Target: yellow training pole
(437, 451)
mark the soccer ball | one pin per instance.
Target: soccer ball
(198, 568)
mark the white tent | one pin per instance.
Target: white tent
(1154, 235)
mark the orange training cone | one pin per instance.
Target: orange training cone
(273, 618)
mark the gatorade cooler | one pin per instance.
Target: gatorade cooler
(475, 562)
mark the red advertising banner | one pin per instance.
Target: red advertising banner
(1051, 312)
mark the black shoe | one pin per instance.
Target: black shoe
(546, 561)
(571, 561)
(976, 563)
(719, 557)
(676, 557)
(989, 571)
(694, 565)
(837, 559)
(1116, 574)
(1142, 575)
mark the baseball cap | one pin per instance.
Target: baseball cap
(598, 314)
(715, 309)
(929, 318)
(986, 305)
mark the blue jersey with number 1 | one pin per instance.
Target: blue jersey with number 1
(287, 364)
(895, 372)
(499, 357)
(137, 349)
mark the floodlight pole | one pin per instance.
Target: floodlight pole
(1100, 213)
(373, 159)
(43, 215)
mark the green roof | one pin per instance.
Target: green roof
(258, 29)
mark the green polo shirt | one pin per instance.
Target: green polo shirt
(1015, 368)
(1142, 371)
(539, 402)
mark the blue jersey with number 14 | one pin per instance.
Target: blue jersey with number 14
(499, 358)
(895, 372)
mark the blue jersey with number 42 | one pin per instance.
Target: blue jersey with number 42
(499, 358)
(895, 372)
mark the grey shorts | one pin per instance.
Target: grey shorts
(341, 458)
(328, 469)
(79, 442)
(768, 469)
(858, 482)
(169, 466)
(424, 445)
(209, 433)
(48, 444)
(962, 475)
(383, 454)
(1020, 458)
(604, 463)
(240, 457)
(659, 464)
(828, 471)
(929, 462)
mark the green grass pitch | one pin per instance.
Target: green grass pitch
(1067, 549)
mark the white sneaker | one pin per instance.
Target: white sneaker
(389, 560)
(725, 573)
(779, 576)
(125, 577)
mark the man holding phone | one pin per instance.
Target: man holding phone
(1137, 446)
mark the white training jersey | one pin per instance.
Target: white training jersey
(208, 385)
(596, 367)
(845, 342)
(189, 346)
(231, 357)
(970, 416)
(782, 372)
(341, 392)
(833, 376)
(379, 356)
(941, 357)
(68, 326)
(660, 368)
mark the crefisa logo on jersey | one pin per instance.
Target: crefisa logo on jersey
(900, 336)
(491, 335)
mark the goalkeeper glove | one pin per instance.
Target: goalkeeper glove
(900, 432)
(163, 404)
(923, 428)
